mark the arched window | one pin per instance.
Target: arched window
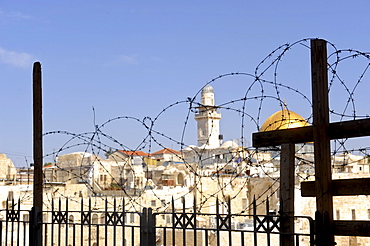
(180, 179)
(71, 220)
(95, 219)
(102, 219)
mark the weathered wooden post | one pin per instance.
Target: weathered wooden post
(323, 178)
(36, 236)
(287, 178)
(322, 131)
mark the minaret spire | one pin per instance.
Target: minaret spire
(208, 119)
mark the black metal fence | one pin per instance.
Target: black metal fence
(113, 225)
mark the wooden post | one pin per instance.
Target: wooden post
(287, 175)
(323, 178)
(37, 151)
(322, 131)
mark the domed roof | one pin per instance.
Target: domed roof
(190, 147)
(230, 144)
(283, 119)
(207, 89)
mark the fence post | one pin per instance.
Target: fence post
(1, 232)
(147, 228)
(143, 227)
(151, 227)
(35, 238)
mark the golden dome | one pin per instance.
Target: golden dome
(283, 119)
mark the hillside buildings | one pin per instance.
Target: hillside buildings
(201, 173)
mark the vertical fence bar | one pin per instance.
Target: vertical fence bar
(52, 222)
(45, 235)
(206, 237)
(67, 222)
(24, 234)
(19, 221)
(195, 221)
(312, 232)
(7, 219)
(1, 233)
(254, 221)
(164, 236)
(123, 221)
(229, 219)
(218, 221)
(114, 220)
(12, 220)
(268, 217)
(297, 240)
(74, 233)
(82, 222)
(97, 235)
(183, 221)
(173, 222)
(59, 221)
(132, 236)
(106, 221)
(89, 222)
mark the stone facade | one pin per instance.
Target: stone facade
(8, 171)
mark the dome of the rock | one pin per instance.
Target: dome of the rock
(283, 119)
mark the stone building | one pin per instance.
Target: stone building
(8, 171)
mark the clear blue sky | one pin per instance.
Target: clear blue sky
(134, 58)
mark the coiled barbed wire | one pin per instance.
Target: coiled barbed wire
(264, 90)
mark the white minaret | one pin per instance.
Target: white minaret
(208, 119)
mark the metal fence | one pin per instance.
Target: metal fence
(114, 226)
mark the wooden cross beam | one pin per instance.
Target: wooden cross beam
(320, 133)
(338, 130)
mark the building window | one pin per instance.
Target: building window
(10, 195)
(153, 203)
(71, 220)
(95, 219)
(132, 218)
(103, 178)
(337, 214)
(26, 217)
(244, 203)
(353, 211)
(168, 219)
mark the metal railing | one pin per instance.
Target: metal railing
(112, 225)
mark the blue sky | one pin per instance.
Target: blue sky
(134, 58)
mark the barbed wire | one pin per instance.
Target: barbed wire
(264, 91)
